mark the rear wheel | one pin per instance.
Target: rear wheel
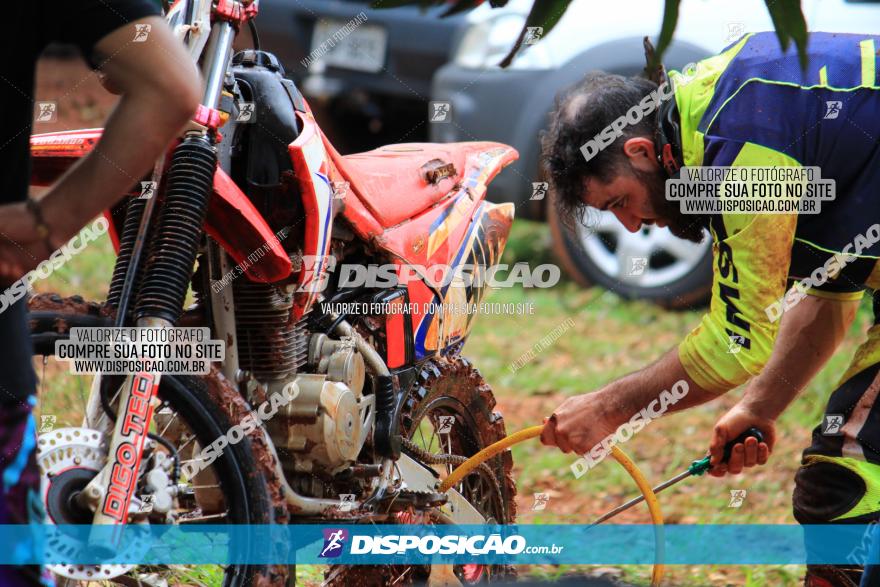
(186, 419)
(450, 411)
(651, 264)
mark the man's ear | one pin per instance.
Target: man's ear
(641, 153)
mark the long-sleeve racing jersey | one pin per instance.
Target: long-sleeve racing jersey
(753, 105)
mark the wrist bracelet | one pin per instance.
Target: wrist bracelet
(42, 228)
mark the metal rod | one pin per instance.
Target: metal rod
(641, 498)
(216, 61)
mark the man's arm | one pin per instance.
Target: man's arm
(617, 402)
(808, 335)
(160, 89)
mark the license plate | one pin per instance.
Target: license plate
(361, 49)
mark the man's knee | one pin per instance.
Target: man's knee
(824, 491)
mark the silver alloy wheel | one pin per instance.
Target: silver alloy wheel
(649, 258)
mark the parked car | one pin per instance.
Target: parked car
(372, 85)
(511, 106)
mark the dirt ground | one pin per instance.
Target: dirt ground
(82, 102)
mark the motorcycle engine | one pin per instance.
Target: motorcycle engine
(326, 425)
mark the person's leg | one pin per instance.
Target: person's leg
(19, 476)
(839, 478)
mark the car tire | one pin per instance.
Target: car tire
(678, 274)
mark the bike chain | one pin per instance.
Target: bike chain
(447, 459)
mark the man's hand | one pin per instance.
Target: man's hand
(808, 335)
(579, 424)
(739, 419)
(20, 248)
(583, 421)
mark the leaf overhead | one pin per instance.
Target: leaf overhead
(544, 14)
(787, 16)
(667, 29)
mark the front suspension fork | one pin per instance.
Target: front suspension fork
(160, 297)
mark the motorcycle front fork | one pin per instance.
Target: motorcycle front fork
(111, 491)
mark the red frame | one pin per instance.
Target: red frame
(438, 227)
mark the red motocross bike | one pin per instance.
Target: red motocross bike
(376, 390)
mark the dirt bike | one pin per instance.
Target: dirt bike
(375, 389)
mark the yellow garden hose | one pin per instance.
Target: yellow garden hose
(627, 463)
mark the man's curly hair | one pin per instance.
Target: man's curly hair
(581, 112)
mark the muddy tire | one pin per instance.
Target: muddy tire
(451, 387)
(246, 495)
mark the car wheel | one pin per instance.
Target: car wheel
(651, 264)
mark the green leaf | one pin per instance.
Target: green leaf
(789, 22)
(787, 17)
(777, 15)
(667, 29)
(796, 26)
(544, 14)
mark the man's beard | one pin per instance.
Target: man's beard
(687, 226)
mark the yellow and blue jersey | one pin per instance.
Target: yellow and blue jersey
(753, 105)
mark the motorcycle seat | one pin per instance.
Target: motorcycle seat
(397, 182)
